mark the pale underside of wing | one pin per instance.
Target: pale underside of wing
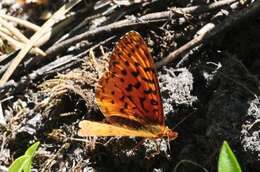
(91, 128)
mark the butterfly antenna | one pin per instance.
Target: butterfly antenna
(77, 139)
(180, 122)
(168, 143)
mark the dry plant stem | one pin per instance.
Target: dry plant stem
(2, 118)
(59, 65)
(46, 26)
(2, 152)
(64, 62)
(6, 31)
(58, 29)
(255, 122)
(2, 58)
(96, 32)
(130, 24)
(48, 164)
(41, 41)
(208, 35)
(21, 22)
(65, 87)
(80, 25)
(77, 166)
(17, 34)
(204, 8)
(13, 30)
(18, 45)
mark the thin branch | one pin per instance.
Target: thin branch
(211, 32)
(130, 24)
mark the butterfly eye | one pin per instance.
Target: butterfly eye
(171, 134)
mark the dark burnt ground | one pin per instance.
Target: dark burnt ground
(214, 87)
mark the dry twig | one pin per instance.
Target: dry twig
(46, 26)
(129, 24)
(211, 32)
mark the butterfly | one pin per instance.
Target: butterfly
(128, 94)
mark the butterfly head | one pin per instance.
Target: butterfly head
(170, 134)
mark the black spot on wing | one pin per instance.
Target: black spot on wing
(154, 102)
(124, 72)
(129, 88)
(122, 80)
(135, 73)
(126, 63)
(122, 110)
(122, 98)
(119, 53)
(137, 85)
(142, 100)
(129, 54)
(137, 64)
(114, 62)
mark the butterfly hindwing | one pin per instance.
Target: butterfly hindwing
(91, 128)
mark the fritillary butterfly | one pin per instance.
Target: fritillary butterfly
(128, 94)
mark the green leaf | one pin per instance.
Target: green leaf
(24, 162)
(32, 149)
(19, 164)
(227, 161)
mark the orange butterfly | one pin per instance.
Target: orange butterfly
(128, 94)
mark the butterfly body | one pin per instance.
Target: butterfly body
(128, 94)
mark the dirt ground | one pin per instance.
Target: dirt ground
(210, 92)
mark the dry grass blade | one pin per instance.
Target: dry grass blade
(16, 44)
(44, 29)
(30, 26)
(13, 30)
(17, 34)
(21, 22)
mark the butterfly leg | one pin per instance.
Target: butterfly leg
(161, 146)
(136, 147)
(157, 151)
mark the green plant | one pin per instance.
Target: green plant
(227, 161)
(24, 162)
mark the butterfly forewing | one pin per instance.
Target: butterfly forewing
(130, 88)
